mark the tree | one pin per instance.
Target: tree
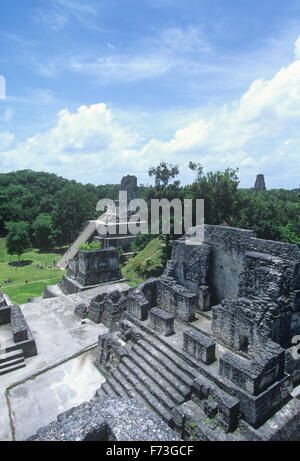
(164, 189)
(220, 193)
(163, 173)
(73, 207)
(42, 228)
(197, 168)
(17, 239)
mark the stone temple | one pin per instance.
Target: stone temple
(259, 185)
(207, 346)
(89, 269)
(204, 352)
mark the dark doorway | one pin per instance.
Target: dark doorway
(244, 344)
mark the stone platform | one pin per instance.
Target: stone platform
(60, 337)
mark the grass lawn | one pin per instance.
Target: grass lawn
(36, 273)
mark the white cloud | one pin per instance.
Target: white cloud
(171, 49)
(6, 139)
(122, 67)
(60, 13)
(55, 18)
(257, 133)
(81, 144)
(250, 134)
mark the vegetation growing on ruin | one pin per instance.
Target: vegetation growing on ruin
(92, 246)
(148, 263)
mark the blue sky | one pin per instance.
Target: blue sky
(99, 89)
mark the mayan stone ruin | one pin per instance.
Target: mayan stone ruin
(88, 269)
(259, 185)
(206, 348)
(21, 344)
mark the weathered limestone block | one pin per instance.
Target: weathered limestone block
(68, 286)
(263, 276)
(190, 267)
(204, 298)
(199, 346)
(141, 299)
(256, 410)
(96, 308)
(81, 310)
(242, 323)
(19, 325)
(114, 306)
(176, 299)
(292, 366)
(129, 332)
(98, 266)
(138, 306)
(257, 375)
(5, 307)
(170, 269)
(73, 267)
(110, 351)
(228, 406)
(5, 314)
(91, 268)
(107, 308)
(161, 321)
(228, 246)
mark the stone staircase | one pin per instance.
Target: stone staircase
(11, 361)
(85, 235)
(151, 373)
(73, 250)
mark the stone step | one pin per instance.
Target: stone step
(164, 349)
(149, 383)
(8, 356)
(159, 367)
(119, 390)
(11, 363)
(100, 393)
(164, 359)
(9, 369)
(145, 395)
(124, 383)
(108, 390)
(169, 388)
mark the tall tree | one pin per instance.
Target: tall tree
(42, 228)
(73, 207)
(17, 239)
(166, 187)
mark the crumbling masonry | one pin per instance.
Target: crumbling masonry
(207, 346)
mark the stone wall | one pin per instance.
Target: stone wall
(21, 333)
(106, 308)
(90, 269)
(262, 270)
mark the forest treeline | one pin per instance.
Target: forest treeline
(54, 209)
